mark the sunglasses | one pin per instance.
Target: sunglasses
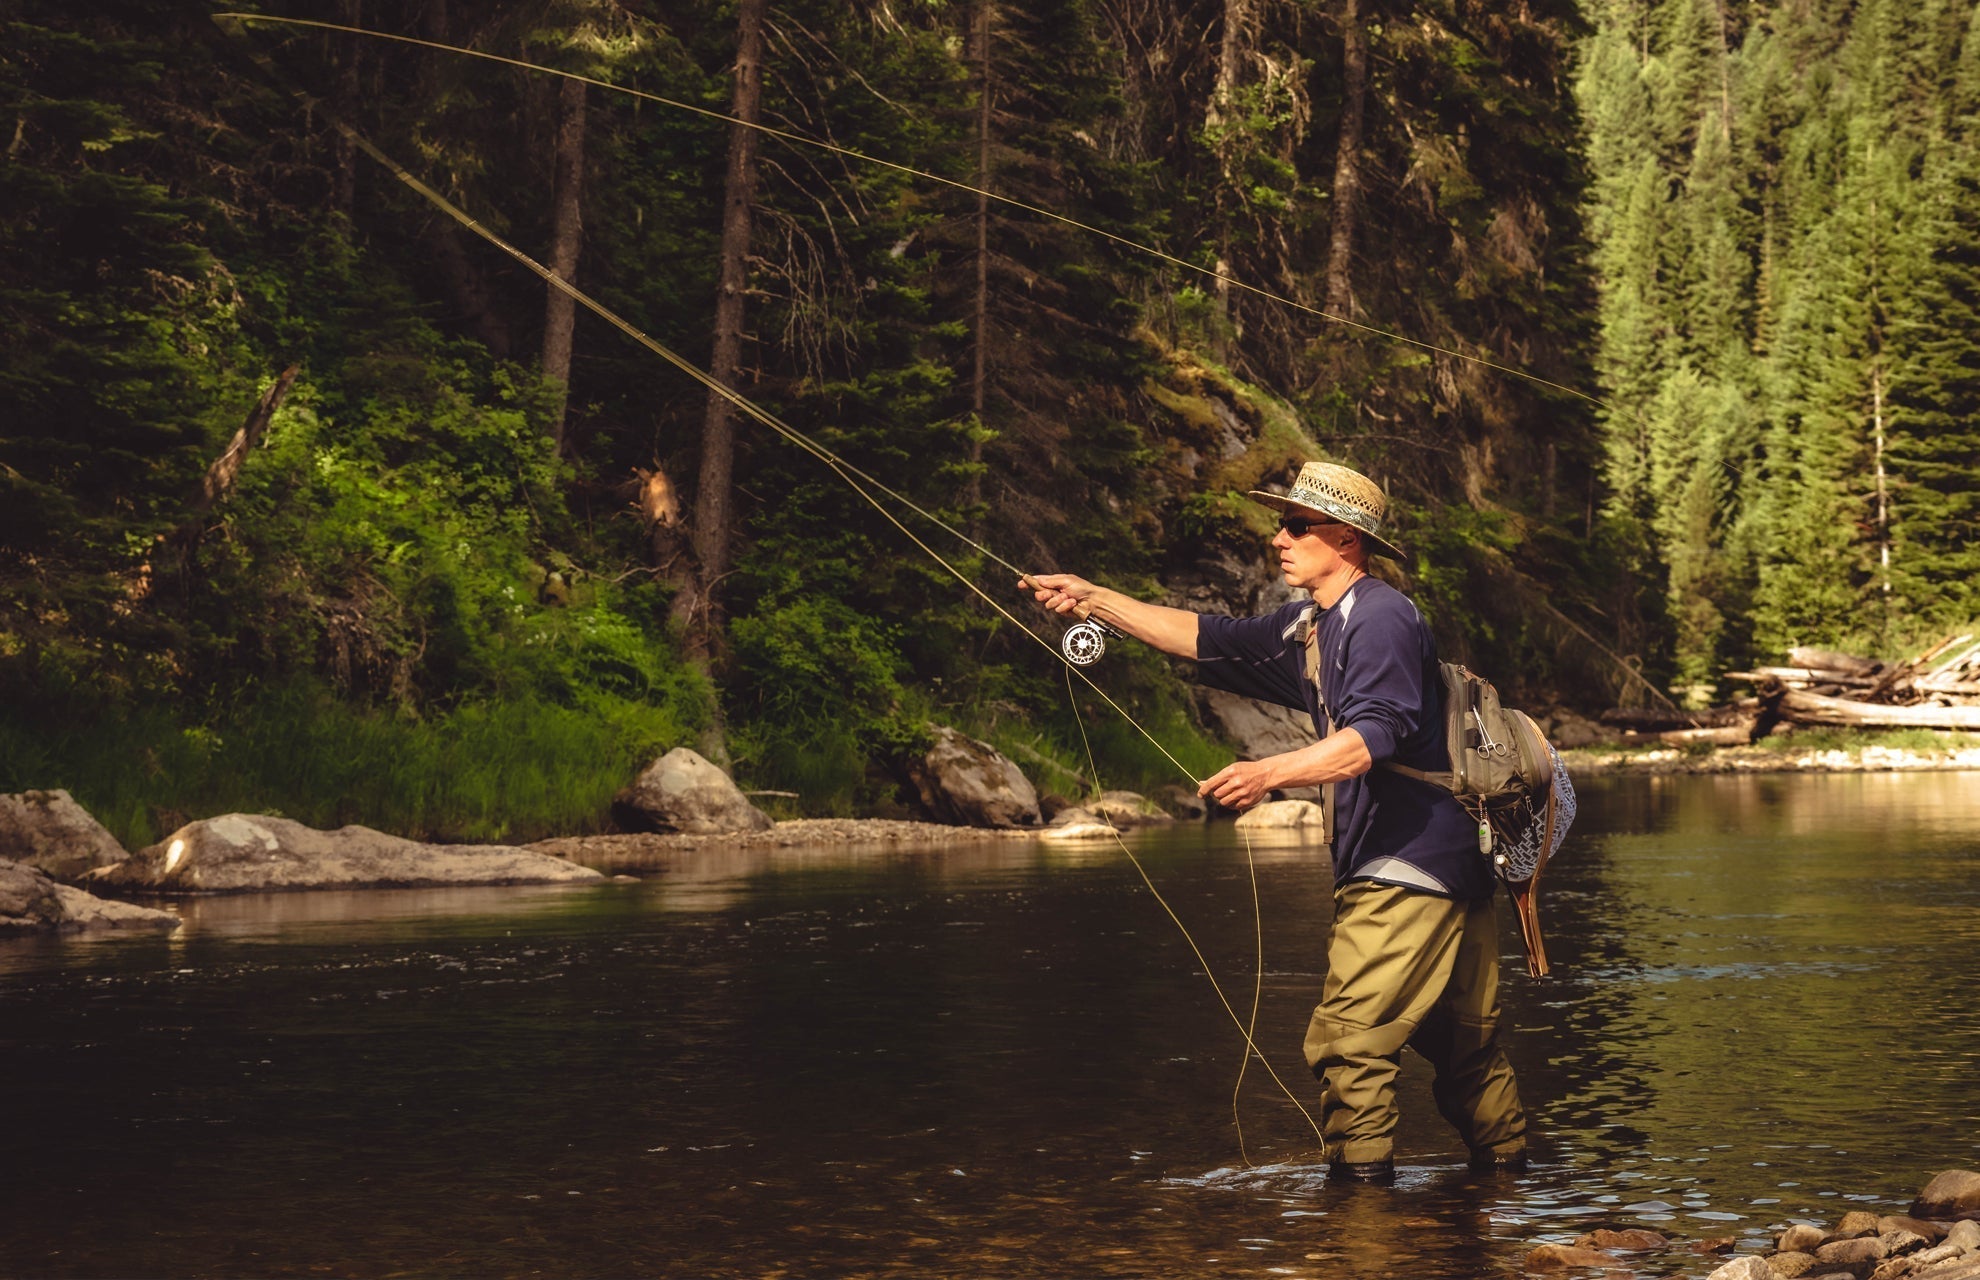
(1300, 526)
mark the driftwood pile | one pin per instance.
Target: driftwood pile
(1938, 689)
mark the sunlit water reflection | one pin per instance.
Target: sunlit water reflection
(988, 1060)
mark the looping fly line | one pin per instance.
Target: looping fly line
(1222, 279)
(856, 479)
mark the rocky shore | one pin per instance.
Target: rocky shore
(1589, 761)
(788, 834)
(1938, 1239)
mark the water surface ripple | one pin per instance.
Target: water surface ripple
(990, 1060)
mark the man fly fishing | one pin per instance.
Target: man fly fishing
(1412, 955)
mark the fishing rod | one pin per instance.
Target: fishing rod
(853, 477)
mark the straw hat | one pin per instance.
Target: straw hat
(1344, 494)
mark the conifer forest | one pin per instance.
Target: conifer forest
(1656, 319)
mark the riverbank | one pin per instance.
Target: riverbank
(586, 849)
(1802, 751)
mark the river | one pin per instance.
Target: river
(995, 1059)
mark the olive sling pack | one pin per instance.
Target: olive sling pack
(1502, 773)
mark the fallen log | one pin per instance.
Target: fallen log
(1804, 675)
(1646, 720)
(1893, 681)
(1732, 735)
(1813, 708)
(1841, 663)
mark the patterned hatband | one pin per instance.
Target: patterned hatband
(1344, 494)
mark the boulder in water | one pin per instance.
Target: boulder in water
(1750, 1267)
(1948, 1195)
(49, 830)
(1561, 1257)
(967, 783)
(1278, 815)
(1127, 809)
(30, 900)
(682, 791)
(247, 853)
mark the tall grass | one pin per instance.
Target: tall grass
(493, 771)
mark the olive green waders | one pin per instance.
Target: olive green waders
(1411, 968)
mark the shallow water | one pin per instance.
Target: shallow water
(990, 1060)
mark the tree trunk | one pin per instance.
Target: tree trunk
(1230, 59)
(695, 605)
(343, 196)
(1347, 161)
(712, 514)
(979, 375)
(566, 237)
(226, 469)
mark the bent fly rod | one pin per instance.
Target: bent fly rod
(1082, 645)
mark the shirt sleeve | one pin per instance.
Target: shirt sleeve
(1381, 688)
(1251, 657)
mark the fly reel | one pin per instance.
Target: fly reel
(1085, 643)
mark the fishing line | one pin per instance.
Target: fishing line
(1258, 987)
(852, 476)
(1223, 280)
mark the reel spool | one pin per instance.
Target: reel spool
(1085, 643)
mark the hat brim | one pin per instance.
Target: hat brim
(1377, 545)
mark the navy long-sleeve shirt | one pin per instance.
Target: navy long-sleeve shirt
(1378, 676)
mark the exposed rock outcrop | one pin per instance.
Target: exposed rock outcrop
(683, 792)
(30, 900)
(1257, 729)
(245, 853)
(1278, 815)
(49, 830)
(1127, 809)
(971, 784)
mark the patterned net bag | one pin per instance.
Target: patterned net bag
(1528, 840)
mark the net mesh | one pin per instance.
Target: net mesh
(1523, 854)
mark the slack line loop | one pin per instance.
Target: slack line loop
(856, 479)
(1258, 987)
(233, 23)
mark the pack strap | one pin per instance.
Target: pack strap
(1446, 780)
(1309, 636)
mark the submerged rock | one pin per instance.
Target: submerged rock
(1275, 815)
(971, 784)
(245, 853)
(30, 900)
(1127, 809)
(1560, 1257)
(1631, 1239)
(1867, 1246)
(49, 830)
(682, 791)
(1080, 831)
(1948, 1195)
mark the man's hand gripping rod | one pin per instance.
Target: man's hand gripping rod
(1085, 641)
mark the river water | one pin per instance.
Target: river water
(996, 1059)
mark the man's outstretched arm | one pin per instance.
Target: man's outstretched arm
(1173, 631)
(1333, 759)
